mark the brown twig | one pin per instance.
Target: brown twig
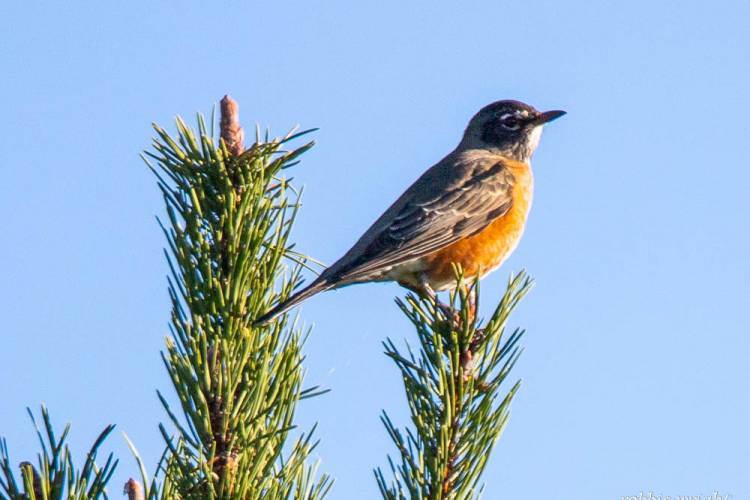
(133, 490)
(225, 454)
(231, 131)
(234, 137)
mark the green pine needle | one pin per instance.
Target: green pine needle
(54, 474)
(453, 389)
(228, 223)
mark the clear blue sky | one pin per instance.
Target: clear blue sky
(635, 370)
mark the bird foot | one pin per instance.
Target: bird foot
(449, 312)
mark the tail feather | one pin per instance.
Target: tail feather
(282, 307)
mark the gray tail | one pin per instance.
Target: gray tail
(281, 308)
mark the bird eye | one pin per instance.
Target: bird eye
(511, 123)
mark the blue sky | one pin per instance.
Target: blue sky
(635, 364)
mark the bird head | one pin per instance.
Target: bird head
(510, 128)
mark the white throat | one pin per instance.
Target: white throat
(534, 136)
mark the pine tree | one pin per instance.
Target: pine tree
(230, 212)
(453, 390)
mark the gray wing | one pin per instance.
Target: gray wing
(451, 201)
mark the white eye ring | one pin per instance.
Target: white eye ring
(510, 121)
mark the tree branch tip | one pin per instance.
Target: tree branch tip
(133, 490)
(231, 131)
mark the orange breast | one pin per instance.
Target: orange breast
(483, 252)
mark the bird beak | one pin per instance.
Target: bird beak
(548, 116)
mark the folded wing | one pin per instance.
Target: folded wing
(450, 202)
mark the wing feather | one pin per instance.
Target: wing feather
(450, 202)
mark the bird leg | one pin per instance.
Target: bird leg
(425, 291)
(471, 294)
(468, 362)
(429, 293)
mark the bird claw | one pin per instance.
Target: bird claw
(449, 312)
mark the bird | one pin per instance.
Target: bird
(469, 209)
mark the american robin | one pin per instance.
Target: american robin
(469, 209)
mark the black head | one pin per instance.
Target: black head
(511, 128)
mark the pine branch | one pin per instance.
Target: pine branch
(54, 475)
(230, 212)
(453, 390)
